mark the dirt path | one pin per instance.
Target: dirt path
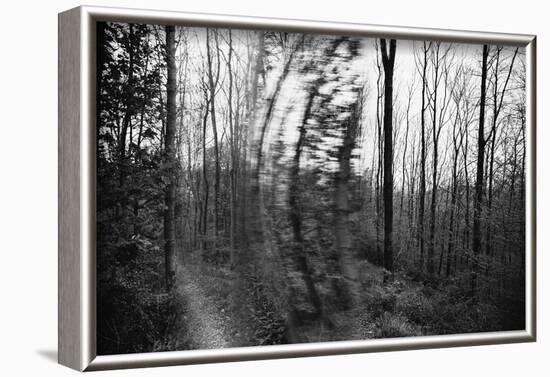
(204, 324)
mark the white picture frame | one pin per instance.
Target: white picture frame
(77, 191)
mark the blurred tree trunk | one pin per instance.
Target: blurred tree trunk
(254, 216)
(256, 224)
(299, 251)
(270, 108)
(343, 242)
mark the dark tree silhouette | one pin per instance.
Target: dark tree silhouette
(170, 159)
(479, 185)
(388, 59)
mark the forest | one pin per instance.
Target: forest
(259, 188)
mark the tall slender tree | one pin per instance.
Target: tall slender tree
(498, 94)
(422, 189)
(233, 151)
(388, 59)
(458, 139)
(170, 159)
(378, 157)
(478, 200)
(213, 81)
(439, 105)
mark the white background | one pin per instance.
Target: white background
(28, 186)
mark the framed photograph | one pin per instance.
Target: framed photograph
(235, 188)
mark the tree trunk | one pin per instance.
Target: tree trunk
(433, 204)
(379, 166)
(257, 229)
(170, 160)
(233, 151)
(127, 119)
(403, 166)
(299, 251)
(422, 193)
(213, 83)
(497, 106)
(254, 216)
(478, 200)
(454, 193)
(388, 61)
(206, 188)
(343, 242)
(467, 217)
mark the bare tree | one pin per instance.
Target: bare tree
(440, 63)
(423, 63)
(213, 80)
(498, 94)
(478, 200)
(233, 151)
(388, 59)
(170, 158)
(404, 173)
(459, 124)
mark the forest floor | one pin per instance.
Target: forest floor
(205, 323)
(403, 307)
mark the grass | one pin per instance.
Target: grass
(402, 307)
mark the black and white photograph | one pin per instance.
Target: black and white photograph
(278, 188)
(258, 188)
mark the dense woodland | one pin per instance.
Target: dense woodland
(259, 188)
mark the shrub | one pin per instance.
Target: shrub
(395, 326)
(268, 322)
(415, 306)
(136, 320)
(380, 299)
